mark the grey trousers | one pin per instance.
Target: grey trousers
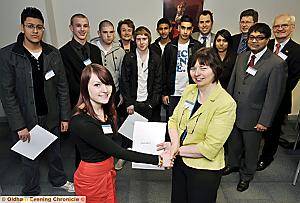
(247, 143)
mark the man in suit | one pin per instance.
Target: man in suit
(289, 51)
(77, 54)
(205, 24)
(257, 84)
(239, 41)
(34, 91)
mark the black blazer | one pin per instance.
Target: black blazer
(292, 51)
(74, 66)
(129, 79)
(228, 64)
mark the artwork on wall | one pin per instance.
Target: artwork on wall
(175, 9)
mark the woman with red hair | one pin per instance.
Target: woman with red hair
(94, 126)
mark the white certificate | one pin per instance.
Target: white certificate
(40, 139)
(127, 127)
(146, 135)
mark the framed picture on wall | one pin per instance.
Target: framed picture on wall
(175, 9)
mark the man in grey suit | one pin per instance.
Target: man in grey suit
(257, 84)
(205, 36)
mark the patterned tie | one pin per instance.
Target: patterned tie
(277, 48)
(243, 46)
(251, 62)
(204, 40)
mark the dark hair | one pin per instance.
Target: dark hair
(207, 12)
(142, 30)
(186, 18)
(209, 57)
(262, 28)
(250, 12)
(127, 22)
(77, 15)
(84, 103)
(163, 21)
(226, 34)
(31, 12)
(105, 23)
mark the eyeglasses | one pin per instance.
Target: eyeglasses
(33, 27)
(188, 130)
(256, 38)
(283, 26)
(246, 22)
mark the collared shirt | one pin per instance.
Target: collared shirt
(282, 44)
(258, 55)
(142, 92)
(78, 49)
(208, 39)
(243, 43)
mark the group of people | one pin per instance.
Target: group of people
(218, 90)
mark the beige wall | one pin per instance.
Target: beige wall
(143, 12)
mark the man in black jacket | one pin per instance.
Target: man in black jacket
(288, 50)
(34, 91)
(239, 41)
(176, 57)
(77, 54)
(141, 76)
(164, 29)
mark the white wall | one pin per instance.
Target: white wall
(143, 12)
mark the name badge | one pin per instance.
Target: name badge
(189, 105)
(282, 55)
(251, 71)
(87, 62)
(49, 74)
(107, 129)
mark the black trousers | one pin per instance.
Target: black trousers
(190, 185)
(271, 138)
(56, 174)
(247, 142)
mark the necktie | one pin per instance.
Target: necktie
(251, 62)
(243, 46)
(277, 48)
(204, 41)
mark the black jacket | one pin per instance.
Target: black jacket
(129, 77)
(16, 86)
(74, 66)
(292, 51)
(155, 46)
(169, 61)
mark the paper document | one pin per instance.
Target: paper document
(146, 135)
(40, 140)
(127, 127)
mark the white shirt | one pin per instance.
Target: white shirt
(258, 55)
(282, 44)
(162, 47)
(208, 40)
(142, 92)
(36, 54)
(181, 78)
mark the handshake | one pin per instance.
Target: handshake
(166, 158)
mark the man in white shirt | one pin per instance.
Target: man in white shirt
(175, 60)
(205, 36)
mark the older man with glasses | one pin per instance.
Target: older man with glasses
(288, 50)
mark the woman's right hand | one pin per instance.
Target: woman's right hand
(174, 149)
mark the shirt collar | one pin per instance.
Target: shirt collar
(258, 55)
(282, 44)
